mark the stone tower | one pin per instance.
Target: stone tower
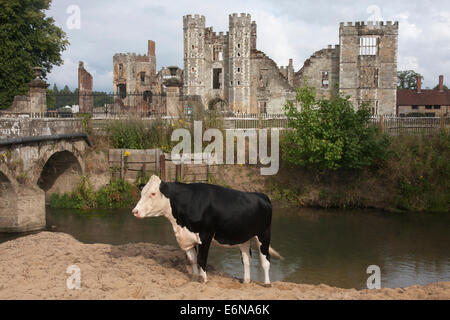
(368, 64)
(135, 80)
(194, 54)
(239, 49)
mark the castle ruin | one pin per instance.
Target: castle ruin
(226, 71)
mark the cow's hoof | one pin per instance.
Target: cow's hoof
(267, 285)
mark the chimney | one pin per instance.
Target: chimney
(151, 48)
(441, 83)
(419, 84)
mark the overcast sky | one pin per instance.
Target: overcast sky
(286, 29)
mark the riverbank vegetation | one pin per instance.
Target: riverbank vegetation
(335, 158)
(118, 194)
(156, 133)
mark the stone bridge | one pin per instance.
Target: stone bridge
(37, 156)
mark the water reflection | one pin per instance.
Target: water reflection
(319, 246)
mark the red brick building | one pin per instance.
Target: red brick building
(425, 103)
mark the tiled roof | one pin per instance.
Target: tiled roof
(406, 97)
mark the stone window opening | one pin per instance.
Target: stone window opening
(415, 107)
(239, 83)
(368, 46)
(120, 70)
(148, 96)
(217, 78)
(428, 107)
(325, 79)
(217, 53)
(142, 74)
(239, 46)
(238, 54)
(374, 109)
(437, 107)
(122, 89)
(238, 69)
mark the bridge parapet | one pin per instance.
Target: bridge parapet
(29, 127)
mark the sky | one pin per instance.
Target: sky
(285, 29)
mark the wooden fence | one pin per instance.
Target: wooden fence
(132, 164)
(398, 125)
(389, 124)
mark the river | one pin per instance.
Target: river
(334, 247)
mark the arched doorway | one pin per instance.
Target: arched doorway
(217, 104)
(61, 173)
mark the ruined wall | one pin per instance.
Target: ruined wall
(270, 87)
(85, 86)
(215, 77)
(224, 69)
(320, 71)
(368, 64)
(134, 76)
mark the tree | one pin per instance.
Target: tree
(407, 79)
(27, 39)
(437, 87)
(329, 134)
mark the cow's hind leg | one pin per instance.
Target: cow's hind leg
(202, 256)
(192, 257)
(264, 256)
(245, 251)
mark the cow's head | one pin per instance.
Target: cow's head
(152, 203)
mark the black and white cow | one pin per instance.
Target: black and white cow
(203, 213)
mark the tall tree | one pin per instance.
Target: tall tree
(407, 79)
(28, 38)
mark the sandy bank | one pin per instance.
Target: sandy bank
(34, 267)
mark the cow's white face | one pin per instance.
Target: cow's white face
(152, 203)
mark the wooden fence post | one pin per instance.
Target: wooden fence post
(162, 166)
(121, 164)
(178, 172)
(381, 123)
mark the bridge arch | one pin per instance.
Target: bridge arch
(8, 200)
(60, 173)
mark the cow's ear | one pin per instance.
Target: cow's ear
(141, 186)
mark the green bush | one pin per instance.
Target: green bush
(330, 134)
(139, 134)
(116, 195)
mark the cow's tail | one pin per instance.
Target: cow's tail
(275, 254)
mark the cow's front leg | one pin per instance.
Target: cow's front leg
(192, 257)
(245, 251)
(202, 256)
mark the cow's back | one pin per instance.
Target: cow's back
(232, 216)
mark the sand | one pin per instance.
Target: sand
(35, 267)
